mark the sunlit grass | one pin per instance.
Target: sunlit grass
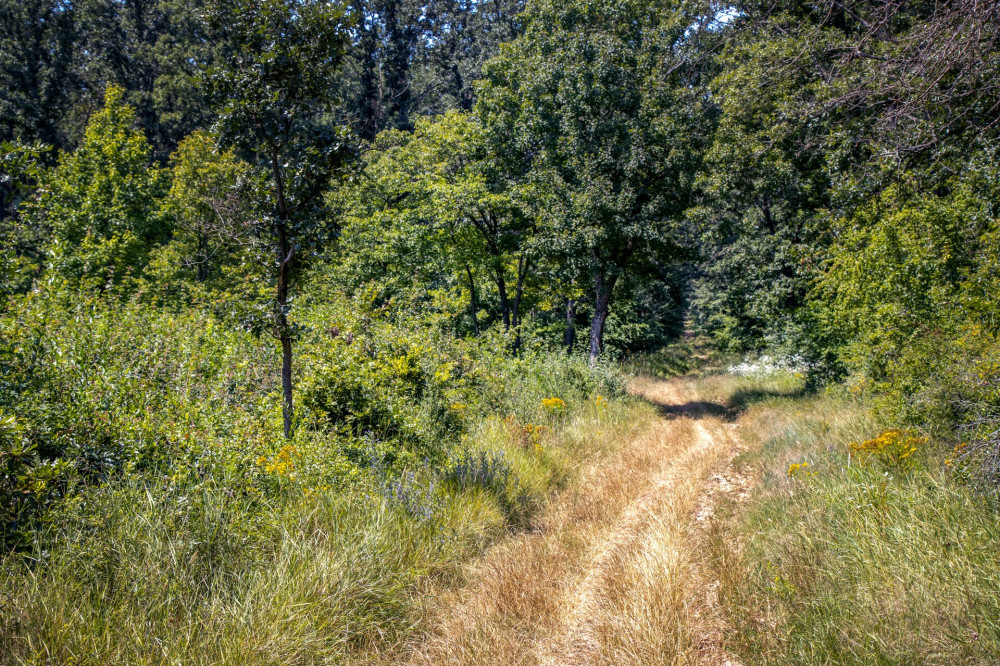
(136, 572)
(844, 560)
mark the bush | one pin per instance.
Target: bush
(908, 301)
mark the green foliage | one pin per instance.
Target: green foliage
(435, 210)
(28, 485)
(905, 298)
(106, 388)
(57, 58)
(95, 390)
(894, 270)
(597, 100)
(411, 212)
(376, 378)
(812, 130)
(38, 42)
(145, 448)
(21, 254)
(207, 207)
(761, 189)
(101, 201)
(411, 389)
(275, 105)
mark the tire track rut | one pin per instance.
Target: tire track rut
(611, 574)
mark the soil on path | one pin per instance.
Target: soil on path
(613, 572)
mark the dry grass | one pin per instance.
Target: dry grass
(683, 539)
(610, 571)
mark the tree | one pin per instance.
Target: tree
(211, 217)
(434, 208)
(383, 60)
(38, 46)
(154, 49)
(764, 178)
(461, 35)
(411, 58)
(275, 100)
(824, 106)
(57, 58)
(603, 98)
(100, 203)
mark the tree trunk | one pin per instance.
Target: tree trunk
(473, 308)
(569, 335)
(523, 264)
(286, 253)
(504, 304)
(284, 334)
(286, 380)
(202, 257)
(370, 96)
(464, 97)
(398, 38)
(602, 287)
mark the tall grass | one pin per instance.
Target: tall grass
(207, 572)
(850, 561)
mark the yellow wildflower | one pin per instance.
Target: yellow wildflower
(532, 435)
(894, 446)
(800, 469)
(554, 404)
(282, 464)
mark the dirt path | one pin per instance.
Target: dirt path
(612, 572)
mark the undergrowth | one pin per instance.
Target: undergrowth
(152, 513)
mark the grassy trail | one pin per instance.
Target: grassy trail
(613, 571)
(730, 521)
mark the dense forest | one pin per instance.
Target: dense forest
(294, 288)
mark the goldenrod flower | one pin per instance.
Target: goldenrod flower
(800, 469)
(554, 404)
(893, 446)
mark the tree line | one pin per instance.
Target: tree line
(815, 176)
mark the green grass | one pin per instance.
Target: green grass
(140, 573)
(685, 355)
(874, 563)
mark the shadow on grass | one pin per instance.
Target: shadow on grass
(740, 400)
(696, 409)
(686, 354)
(737, 403)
